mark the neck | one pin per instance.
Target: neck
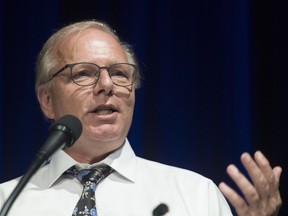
(84, 153)
(86, 158)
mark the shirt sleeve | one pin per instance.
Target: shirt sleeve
(218, 206)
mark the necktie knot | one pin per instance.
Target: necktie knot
(94, 175)
(89, 178)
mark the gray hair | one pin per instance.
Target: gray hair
(47, 59)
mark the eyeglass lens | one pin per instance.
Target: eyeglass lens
(87, 74)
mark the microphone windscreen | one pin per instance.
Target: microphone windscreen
(70, 124)
(160, 210)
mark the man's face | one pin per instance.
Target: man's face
(104, 109)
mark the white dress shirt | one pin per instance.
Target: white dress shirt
(135, 188)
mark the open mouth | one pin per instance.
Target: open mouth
(104, 110)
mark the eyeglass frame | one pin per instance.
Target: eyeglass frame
(70, 66)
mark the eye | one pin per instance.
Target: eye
(83, 73)
(119, 72)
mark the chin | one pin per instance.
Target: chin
(105, 133)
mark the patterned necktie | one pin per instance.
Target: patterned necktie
(89, 178)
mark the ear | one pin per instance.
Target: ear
(45, 100)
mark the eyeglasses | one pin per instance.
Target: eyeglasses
(86, 73)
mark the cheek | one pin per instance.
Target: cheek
(126, 97)
(130, 106)
(68, 103)
(59, 106)
(125, 93)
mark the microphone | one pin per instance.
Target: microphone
(160, 210)
(61, 134)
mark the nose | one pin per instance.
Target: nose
(104, 83)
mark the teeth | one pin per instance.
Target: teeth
(103, 112)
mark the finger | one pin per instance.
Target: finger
(272, 176)
(265, 167)
(277, 173)
(235, 199)
(257, 175)
(267, 171)
(266, 182)
(277, 198)
(243, 184)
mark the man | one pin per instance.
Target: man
(85, 70)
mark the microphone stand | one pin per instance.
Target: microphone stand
(42, 155)
(62, 134)
(21, 184)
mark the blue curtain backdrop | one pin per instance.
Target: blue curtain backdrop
(215, 79)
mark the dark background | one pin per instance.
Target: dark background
(215, 79)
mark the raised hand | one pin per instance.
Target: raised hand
(261, 194)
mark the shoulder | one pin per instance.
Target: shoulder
(193, 189)
(6, 188)
(169, 172)
(37, 179)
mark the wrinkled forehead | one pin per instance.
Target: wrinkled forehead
(89, 41)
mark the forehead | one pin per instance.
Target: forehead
(90, 44)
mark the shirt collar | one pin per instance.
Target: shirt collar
(123, 161)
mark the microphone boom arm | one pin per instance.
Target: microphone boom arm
(62, 134)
